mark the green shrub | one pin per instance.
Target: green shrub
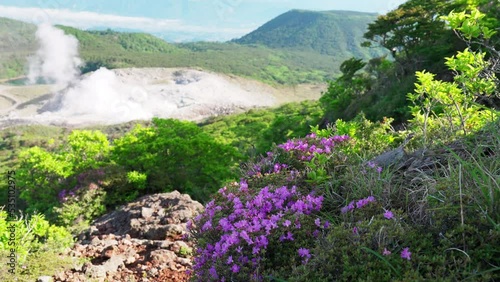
(33, 234)
(37, 246)
(80, 206)
(255, 131)
(175, 155)
(42, 175)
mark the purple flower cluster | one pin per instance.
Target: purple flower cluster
(267, 165)
(374, 166)
(312, 145)
(301, 149)
(65, 195)
(388, 214)
(357, 204)
(304, 254)
(405, 253)
(241, 226)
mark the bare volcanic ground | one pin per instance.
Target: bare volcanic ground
(121, 95)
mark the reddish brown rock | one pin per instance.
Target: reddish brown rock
(141, 241)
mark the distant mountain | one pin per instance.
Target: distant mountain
(311, 51)
(336, 33)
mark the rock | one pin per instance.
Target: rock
(109, 242)
(60, 276)
(146, 212)
(153, 272)
(113, 264)
(177, 246)
(184, 261)
(109, 251)
(141, 238)
(174, 230)
(95, 271)
(163, 256)
(130, 259)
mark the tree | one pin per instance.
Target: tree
(412, 26)
(176, 155)
(345, 89)
(43, 174)
(453, 106)
(350, 67)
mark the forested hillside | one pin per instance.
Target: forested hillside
(118, 50)
(17, 41)
(336, 33)
(321, 41)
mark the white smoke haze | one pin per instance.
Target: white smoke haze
(99, 96)
(121, 95)
(57, 60)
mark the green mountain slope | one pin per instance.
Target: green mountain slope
(338, 33)
(270, 64)
(17, 41)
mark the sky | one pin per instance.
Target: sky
(176, 20)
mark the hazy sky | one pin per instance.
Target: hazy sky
(205, 19)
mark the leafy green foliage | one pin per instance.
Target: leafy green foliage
(86, 175)
(418, 40)
(373, 137)
(37, 246)
(413, 28)
(176, 155)
(437, 102)
(41, 170)
(255, 131)
(79, 206)
(32, 234)
(343, 91)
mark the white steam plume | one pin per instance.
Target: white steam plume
(104, 97)
(99, 96)
(108, 97)
(56, 60)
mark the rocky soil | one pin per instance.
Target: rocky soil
(141, 241)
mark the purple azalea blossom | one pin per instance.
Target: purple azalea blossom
(406, 254)
(304, 254)
(388, 214)
(317, 222)
(235, 268)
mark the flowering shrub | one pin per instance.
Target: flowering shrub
(237, 230)
(296, 154)
(357, 204)
(248, 232)
(83, 202)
